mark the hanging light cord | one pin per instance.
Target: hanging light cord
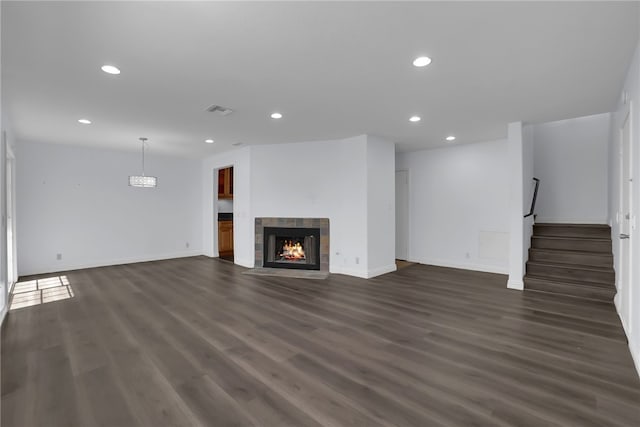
(144, 140)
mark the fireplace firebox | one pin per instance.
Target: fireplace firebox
(292, 248)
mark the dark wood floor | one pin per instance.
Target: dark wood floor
(195, 342)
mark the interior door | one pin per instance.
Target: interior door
(402, 215)
(625, 222)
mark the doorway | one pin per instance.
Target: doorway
(626, 182)
(402, 215)
(224, 201)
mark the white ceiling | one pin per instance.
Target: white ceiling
(334, 69)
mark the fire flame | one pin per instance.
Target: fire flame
(292, 251)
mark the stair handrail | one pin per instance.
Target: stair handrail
(535, 197)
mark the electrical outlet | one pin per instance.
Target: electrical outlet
(467, 255)
(357, 260)
(187, 245)
(58, 257)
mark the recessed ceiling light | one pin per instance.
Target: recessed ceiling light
(414, 119)
(276, 115)
(450, 138)
(422, 61)
(84, 121)
(110, 69)
(209, 141)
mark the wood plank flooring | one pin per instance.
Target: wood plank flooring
(194, 341)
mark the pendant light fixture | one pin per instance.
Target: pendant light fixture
(142, 180)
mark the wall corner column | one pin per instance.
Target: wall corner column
(516, 199)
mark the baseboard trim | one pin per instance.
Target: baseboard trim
(381, 270)
(633, 348)
(635, 355)
(244, 262)
(364, 274)
(348, 271)
(470, 266)
(515, 284)
(616, 303)
(105, 263)
(5, 311)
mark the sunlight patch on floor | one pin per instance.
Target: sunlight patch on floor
(40, 291)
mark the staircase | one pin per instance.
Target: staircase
(571, 259)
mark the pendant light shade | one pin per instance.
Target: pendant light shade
(143, 181)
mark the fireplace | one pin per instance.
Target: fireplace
(292, 248)
(292, 243)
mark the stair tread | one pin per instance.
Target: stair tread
(566, 251)
(595, 285)
(571, 260)
(574, 266)
(569, 264)
(560, 294)
(597, 239)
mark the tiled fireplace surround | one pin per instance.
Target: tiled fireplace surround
(321, 223)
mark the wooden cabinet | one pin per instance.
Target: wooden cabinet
(225, 238)
(225, 183)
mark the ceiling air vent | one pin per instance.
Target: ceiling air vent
(223, 111)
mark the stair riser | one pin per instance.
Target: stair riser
(572, 245)
(596, 260)
(585, 232)
(576, 291)
(554, 272)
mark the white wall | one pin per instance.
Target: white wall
(571, 160)
(8, 144)
(320, 179)
(3, 281)
(521, 190)
(517, 204)
(459, 205)
(632, 90)
(77, 202)
(381, 209)
(325, 179)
